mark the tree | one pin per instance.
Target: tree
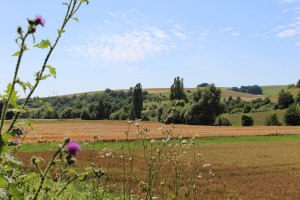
(203, 85)
(85, 115)
(222, 121)
(272, 120)
(206, 106)
(298, 84)
(297, 100)
(100, 109)
(177, 92)
(247, 120)
(137, 100)
(292, 115)
(285, 99)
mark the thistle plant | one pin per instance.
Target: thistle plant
(10, 97)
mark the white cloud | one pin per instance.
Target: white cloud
(290, 30)
(125, 47)
(178, 32)
(289, 1)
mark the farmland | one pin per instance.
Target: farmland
(54, 130)
(247, 166)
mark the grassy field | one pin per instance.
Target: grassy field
(256, 167)
(259, 117)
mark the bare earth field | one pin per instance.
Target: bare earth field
(115, 130)
(264, 170)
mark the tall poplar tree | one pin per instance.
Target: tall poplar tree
(137, 100)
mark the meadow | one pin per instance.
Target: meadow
(229, 160)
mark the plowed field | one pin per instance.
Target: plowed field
(115, 130)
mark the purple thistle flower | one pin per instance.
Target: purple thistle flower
(39, 20)
(73, 148)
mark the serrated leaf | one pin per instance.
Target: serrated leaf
(52, 70)
(3, 181)
(13, 98)
(15, 192)
(76, 19)
(44, 44)
(60, 31)
(16, 53)
(24, 85)
(45, 77)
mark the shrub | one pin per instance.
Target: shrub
(272, 120)
(222, 121)
(285, 99)
(247, 120)
(85, 115)
(292, 115)
(247, 108)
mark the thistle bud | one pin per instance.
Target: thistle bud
(19, 30)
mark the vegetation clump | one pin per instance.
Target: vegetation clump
(247, 120)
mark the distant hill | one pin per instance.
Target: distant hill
(268, 91)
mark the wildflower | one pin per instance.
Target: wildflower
(73, 148)
(152, 141)
(39, 20)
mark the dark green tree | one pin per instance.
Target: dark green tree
(100, 109)
(137, 100)
(206, 106)
(298, 84)
(247, 120)
(177, 92)
(297, 100)
(292, 115)
(285, 99)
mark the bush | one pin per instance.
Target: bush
(247, 120)
(85, 115)
(272, 120)
(292, 116)
(222, 121)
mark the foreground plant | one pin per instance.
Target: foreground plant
(10, 97)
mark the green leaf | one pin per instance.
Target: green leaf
(45, 77)
(60, 31)
(13, 98)
(76, 19)
(24, 85)
(86, 1)
(3, 194)
(52, 70)
(16, 53)
(44, 44)
(15, 192)
(3, 181)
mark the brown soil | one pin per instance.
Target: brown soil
(269, 170)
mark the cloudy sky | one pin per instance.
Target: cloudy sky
(117, 44)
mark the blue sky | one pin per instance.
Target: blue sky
(117, 44)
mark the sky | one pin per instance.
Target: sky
(117, 44)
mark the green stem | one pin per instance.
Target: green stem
(72, 9)
(44, 175)
(66, 185)
(6, 103)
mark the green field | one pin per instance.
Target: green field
(259, 117)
